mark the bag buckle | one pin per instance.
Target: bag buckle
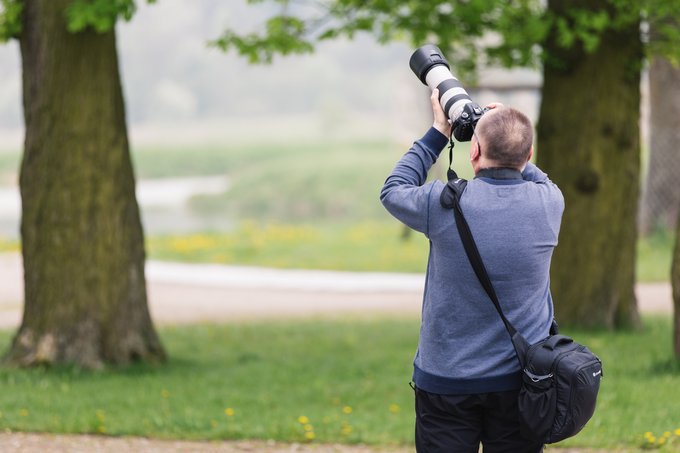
(536, 378)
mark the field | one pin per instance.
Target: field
(315, 381)
(307, 183)
(312, 205)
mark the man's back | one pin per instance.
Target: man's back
(463, 345)
(466, 373)
(515, 224)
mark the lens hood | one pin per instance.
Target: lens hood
(424, 59)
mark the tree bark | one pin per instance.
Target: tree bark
(588, 142)
(82, 239)
(675, 281)
(661, 197)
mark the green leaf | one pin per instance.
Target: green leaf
(284, 35)
(471, 32)
(100, 15)
(10, 19)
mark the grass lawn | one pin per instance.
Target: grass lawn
(363, 246)
(315, 381)
(654, 257)
(312, 205)
(278, 381)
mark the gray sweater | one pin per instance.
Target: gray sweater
(463, 346)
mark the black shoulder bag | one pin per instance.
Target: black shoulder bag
(560, 378)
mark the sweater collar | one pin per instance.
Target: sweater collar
(499, 173)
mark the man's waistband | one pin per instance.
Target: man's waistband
(452, 386)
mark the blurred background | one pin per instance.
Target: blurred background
(213, 136)
(280, 166)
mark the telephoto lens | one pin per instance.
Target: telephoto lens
(430, 66)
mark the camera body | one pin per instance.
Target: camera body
(464, 126)
(430, 66)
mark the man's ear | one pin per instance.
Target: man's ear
(474, 151)
(531, 153)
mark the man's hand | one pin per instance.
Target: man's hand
(441, 122)
(494, 105)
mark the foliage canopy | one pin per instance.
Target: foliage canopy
(100, 15)
(472, 33)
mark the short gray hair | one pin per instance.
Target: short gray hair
(508, 136)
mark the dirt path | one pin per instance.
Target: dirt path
(184, 293)
(46, 443)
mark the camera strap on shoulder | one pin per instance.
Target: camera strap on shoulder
(519, 342)
(455, 185)
(450, 173)
(450, 199)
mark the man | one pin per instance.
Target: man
(466, 372)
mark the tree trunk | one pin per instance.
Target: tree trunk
(82, 239)
(675, 280)
(661, 198)
(589, 144)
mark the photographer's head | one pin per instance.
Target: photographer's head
(503, 138)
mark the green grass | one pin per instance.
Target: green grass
(268, 374)
(366, 246)
(10, 158)
(347, 377)
(332, 181)
(328, 190)
(363, 246)
(640, 389)
(325, 182)
(654, 257)
(8, 245)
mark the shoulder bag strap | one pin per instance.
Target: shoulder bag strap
(519, 342)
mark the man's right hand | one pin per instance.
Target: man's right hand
(441, 122)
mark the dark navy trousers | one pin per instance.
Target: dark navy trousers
(459, 423)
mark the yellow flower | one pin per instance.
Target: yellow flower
(649, 434)
(347, 410)
(23, 413)
(303, 420)
(662, 441)
(229, 412)
(101, 429)
(394, 408)
(651, 439)
(677, 432)
(346, 430)
(308, 427)
(309, 435)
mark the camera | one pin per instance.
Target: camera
(430, 66)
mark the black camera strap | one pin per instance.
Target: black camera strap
(450, 173)
(519, 342)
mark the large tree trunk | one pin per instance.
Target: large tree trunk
(82, 238)
(675, 280)
(661, 198)
(588, 142)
